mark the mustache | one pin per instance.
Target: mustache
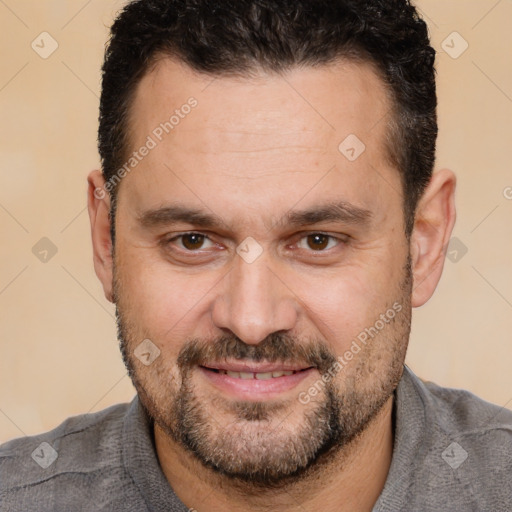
(278, 347)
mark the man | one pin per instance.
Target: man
(265, 219)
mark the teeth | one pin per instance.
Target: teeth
(258, 376)
(265, 376)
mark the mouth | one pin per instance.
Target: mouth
(259, 375)
(254, 381)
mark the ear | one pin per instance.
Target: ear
(98, 204)
(433, 225)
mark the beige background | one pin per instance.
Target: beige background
(59, 353)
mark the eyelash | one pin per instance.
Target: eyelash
(341, 241)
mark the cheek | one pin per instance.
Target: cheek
(342, 305)
(162, 299)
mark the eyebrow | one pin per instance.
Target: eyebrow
(338, 211)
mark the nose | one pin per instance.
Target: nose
(254, 302)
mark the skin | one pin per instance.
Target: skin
(252, 150)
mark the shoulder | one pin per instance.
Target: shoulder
(467, 448)
(81, 444)
(458, 411)
(452, 451)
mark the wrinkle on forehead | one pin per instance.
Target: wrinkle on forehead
(271, 136)
(301, 105)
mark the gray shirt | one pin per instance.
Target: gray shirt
(452, 452)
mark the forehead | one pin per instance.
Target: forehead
(330, 98)
(245, 134)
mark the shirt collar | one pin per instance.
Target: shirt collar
(141, 461)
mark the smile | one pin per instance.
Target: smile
(259, 376)
(253, 381)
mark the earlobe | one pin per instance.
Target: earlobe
(433, 226)
(98, 204)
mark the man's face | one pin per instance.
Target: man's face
(295, 296)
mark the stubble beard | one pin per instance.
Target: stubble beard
(257, 447)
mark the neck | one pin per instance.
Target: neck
(351, 480)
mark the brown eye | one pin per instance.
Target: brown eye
(192, 241)
(192, 246)
(318, 241)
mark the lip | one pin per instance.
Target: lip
(235, 366)
(254, 389)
